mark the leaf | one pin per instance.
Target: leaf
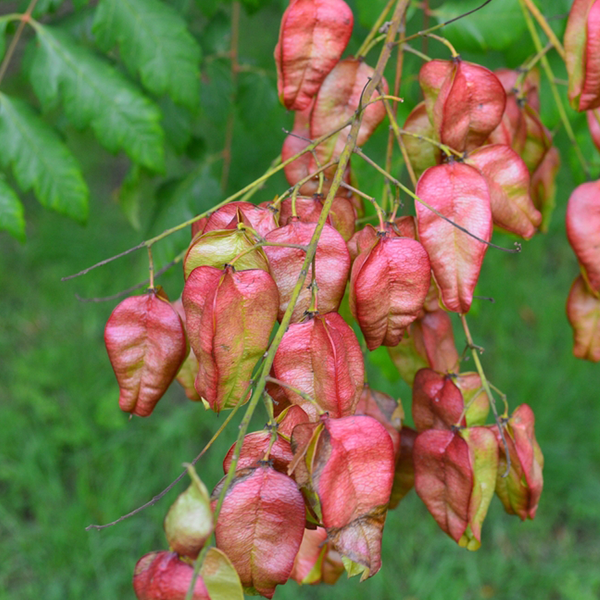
(40, 161)
(95, 94)
(220, 577)
(154, 41)
(3, 25)
(45, 6)
(135, 189)
(497, 26)
(12, 218)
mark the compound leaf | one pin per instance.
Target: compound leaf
(95, 94)
(154, 41)
(40, 161)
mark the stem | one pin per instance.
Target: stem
(557, 97)
(25, 18)
(486, 387)
(539, 17)
(439, 214)
(407, 48)
(233, 54)
(151, 268)
(362, 51)
(344, 159)
(442, 41)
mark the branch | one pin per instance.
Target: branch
(25, 18)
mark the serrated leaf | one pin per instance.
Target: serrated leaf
(497, 26)
(154, 41)
(95, 94)
(12, 217)
(40, 161)
(177, 123)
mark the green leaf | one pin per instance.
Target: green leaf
(12, 215)
(40, 160)
(177, 123)
(220, 577)
(497, 26)
(134, 193)
(154, 41)
(95, 94)
(3, 25)
(43, 7)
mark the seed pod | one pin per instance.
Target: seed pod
(219, 247)
(288, 419)
(316, 562)
(161, 575)
(582, 46)
(254, 449)
(583, 230)
(408, 356)
(388, 287)
(312, 39)
(322, 358)
(367, 237)
(342, 215)
(454, 476)
(476, 401)
(437, 402)
(537, 141)
(593, 121)
(508, 181)
(404, 473)
(259, 218)
(583, 311)
(229, 323)
(260, 526)
(434, 338)
(198, 226)
(467, 106)
(189, 522)
(337, 100)
(460, 193)
(332, 266)
(528, 90)
(384, 408)
(189, 368)
(520, 491)
(543, 186)
(421, 153)
(350, 469)
(146, 344)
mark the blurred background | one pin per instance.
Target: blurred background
(69, 457)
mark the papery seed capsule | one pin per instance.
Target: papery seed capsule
(583, 311)
(254, 449)
(259, 218)
(146, 345)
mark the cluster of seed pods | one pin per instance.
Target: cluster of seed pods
(309, 494)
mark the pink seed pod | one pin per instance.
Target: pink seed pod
(583, 230)
(388, 287)
(520, 491)
(460, 193)
(146, 344)
(583, 311)
(259, 218)
(312, 39)
(254, 449)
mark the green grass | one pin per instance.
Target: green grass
(70, 457)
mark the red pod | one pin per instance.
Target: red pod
(593, 120)
(467, 106)
(385, 409)
(322, 358)
(163, 575)
(583, 229)
(367, 237)
(332, 266)
(220, 247)
(146, 344)
(198, 226)
(342, 215)
(583, 311)
(189, 368)
(520, 491)
(434, 336)
(537, 141)
(287, 419)
(454, 476)
(337, 101)
(543, 186)
(260, 218)
(404, 473)
(260, 526)
(508, 181)
(460, 193)
(527, 91)
(229, 324)
(421, 153)
(582, 48)
(437, 402)
(408, 356)
(350, 470)
(312, 39)
(388, 287)
(254, 449)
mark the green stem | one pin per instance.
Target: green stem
(555, 93)
(539, 17)
(375, 29)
